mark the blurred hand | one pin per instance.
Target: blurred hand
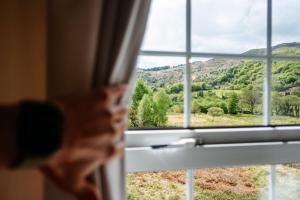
(93, 125)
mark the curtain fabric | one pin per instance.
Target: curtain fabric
(93, 43)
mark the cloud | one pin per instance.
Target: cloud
(286, 21)
(231, 26)
(166, 26)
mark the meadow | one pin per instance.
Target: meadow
(205, 120)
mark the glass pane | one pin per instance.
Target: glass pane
(231, 26)
(167, 185)
(157, 100)
(286, 92)
(286, 29)
(288, 181)
(226, 92)
(166, 26)
(236, 183)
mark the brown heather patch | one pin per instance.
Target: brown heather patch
(236, 180)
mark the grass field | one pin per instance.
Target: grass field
(202, 120)
(240, 183)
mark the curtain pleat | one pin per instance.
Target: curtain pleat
(93, 43)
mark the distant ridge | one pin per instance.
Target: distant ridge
(283, 46)
(291, 44)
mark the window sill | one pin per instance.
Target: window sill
(206, 156)
(219, 148)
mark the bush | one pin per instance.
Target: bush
(224, 107)
(195, 106)
(175, 88)
(178, 108)
(215, 111)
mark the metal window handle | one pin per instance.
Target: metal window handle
(182, 143)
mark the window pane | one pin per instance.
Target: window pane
(157, 100)
(288, 181)
(231, 26)
(169, 185)
(226, 92)
(286, 92)
(236, 183)
(166, 26)
(286, 29)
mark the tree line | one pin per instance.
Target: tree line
(150, 106)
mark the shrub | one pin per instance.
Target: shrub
(195, 106)
(178, 108)
(175, 88)
(215, 111)
(224, 107)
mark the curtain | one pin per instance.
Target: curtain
(93, 43)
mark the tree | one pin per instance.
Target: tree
(146, 112)
(233, 102)
(152, 109)
(140, 90)
(250, 98)
(161, 106)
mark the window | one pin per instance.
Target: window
(229, 74)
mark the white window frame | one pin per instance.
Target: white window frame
(217, 147)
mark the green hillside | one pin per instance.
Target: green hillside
(231, 74)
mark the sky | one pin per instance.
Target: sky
(218, 26)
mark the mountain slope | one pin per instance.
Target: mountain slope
(232, 73)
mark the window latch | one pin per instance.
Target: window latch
(182, 143)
